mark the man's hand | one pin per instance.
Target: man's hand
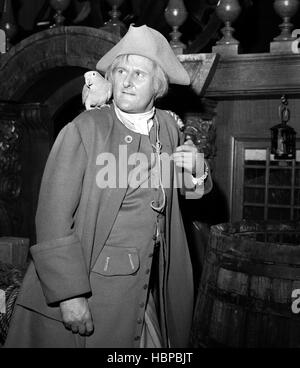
(76, 316)
(185, 156)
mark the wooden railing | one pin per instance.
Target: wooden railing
(175, 17)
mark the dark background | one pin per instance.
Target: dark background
(255, 28)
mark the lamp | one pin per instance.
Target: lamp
(283, 137)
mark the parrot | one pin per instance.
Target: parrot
(96, 90)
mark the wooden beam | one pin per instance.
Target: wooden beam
(256, 75)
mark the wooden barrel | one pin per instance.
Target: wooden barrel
(249, 294)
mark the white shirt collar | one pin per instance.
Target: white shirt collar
(139, 122)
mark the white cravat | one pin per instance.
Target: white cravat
(139, 123)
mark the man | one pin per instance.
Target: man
(111, 266)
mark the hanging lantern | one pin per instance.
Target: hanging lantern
(283, 137)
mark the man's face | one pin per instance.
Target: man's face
(133, 84)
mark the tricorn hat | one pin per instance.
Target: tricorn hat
(148, 42)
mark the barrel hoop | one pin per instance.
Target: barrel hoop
(248, 226)
(257, 267)
(249, 304)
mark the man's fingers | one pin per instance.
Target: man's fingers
(188, 146)
(177, 155)
(189, 142)
(68, 326)
(86, 329)
(82, 329)
(75, 328)
(77, 316)
(184, 158)
(89, 326)
(185, 167)
(184, 162)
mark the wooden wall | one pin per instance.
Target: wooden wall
(248, 90)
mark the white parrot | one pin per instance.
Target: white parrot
(96, 91)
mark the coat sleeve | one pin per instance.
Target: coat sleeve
(58, 255)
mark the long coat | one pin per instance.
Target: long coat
(73, 221)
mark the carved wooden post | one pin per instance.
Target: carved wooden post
(37, 130)
(286, 9)
(201, 69)
(228, 11)
(114, 25)
(175, 15)
(59, 6)
(8, 23)
(24, 135)
(203, 134)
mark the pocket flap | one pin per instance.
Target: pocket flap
(113, 261)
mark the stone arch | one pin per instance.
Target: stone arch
(48, 66)
(41, 77)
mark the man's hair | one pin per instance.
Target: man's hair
(160, 79)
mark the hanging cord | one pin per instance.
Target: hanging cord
(157, 150)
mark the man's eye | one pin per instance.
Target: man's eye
(139, 74)
(120, 71)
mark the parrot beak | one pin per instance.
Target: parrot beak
(88, 82)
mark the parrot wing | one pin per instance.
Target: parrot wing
(85, 93)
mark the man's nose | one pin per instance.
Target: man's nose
(127, 80)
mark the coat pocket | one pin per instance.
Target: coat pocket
(117, 261)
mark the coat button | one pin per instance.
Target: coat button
(139, 321)
(145, 286)
(151, 255)
(147, 271)
(142, 304)
(137, 338)
(128, 139)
